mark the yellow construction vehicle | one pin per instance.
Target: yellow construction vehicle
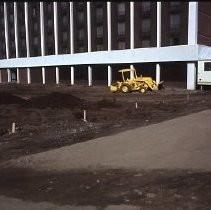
(132, 82)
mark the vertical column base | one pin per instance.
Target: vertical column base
(28, 76)
(131, 73)
(18, 76)
(89, 75)
(157, 73)
(131, 66)
(43, 75)
(109, 75)
(72, 75)
(191, 76)
(8, 75)
(57, 75)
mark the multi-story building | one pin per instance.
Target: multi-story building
(56, 41)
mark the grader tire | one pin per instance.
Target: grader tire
(125, 88)
(142, 90)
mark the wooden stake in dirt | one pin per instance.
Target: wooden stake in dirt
(13, 127)
(136, 105)
(84, 116)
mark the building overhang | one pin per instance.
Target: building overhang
(186, 53)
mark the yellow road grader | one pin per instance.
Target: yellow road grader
(134, 83)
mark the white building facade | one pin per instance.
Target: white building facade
(190, 53)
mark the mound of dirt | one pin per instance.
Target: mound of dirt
(104, 103)
(55, 100)
(8, 98)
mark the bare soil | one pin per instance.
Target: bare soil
(154, 189)
(51, 116)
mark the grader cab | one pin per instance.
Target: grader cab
(132, 82)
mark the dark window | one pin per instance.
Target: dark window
(145, 43)
(121, 45)
(146, 24)
(174, 41)
(81, 17)
(207, 66)
(121, 9)
(100, 32)
(121, 29)
(175, 5)
(174, 21)
(50, 50)
(146, 6)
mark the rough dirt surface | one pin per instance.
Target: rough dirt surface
(49, 117)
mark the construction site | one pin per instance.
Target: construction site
(38, 164)
(105, 105)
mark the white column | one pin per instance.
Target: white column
(42, 35)
(72, 75)
(55, 16)
(71, 39)
(109, 40)
(109, 75)
(109, 24)
(89, 75)
(191, 76)
(28, 76)
(192, 40)
(16, 38)
(27, 39)
(6, 39)
(89, 41)
(57, 75)
(158, 39)
(131, 33)
(192, 23)
(157, 73)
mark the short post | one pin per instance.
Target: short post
(13, 127)
(136, 105)
(84, 116)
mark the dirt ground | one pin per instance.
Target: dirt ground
(51, 116)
